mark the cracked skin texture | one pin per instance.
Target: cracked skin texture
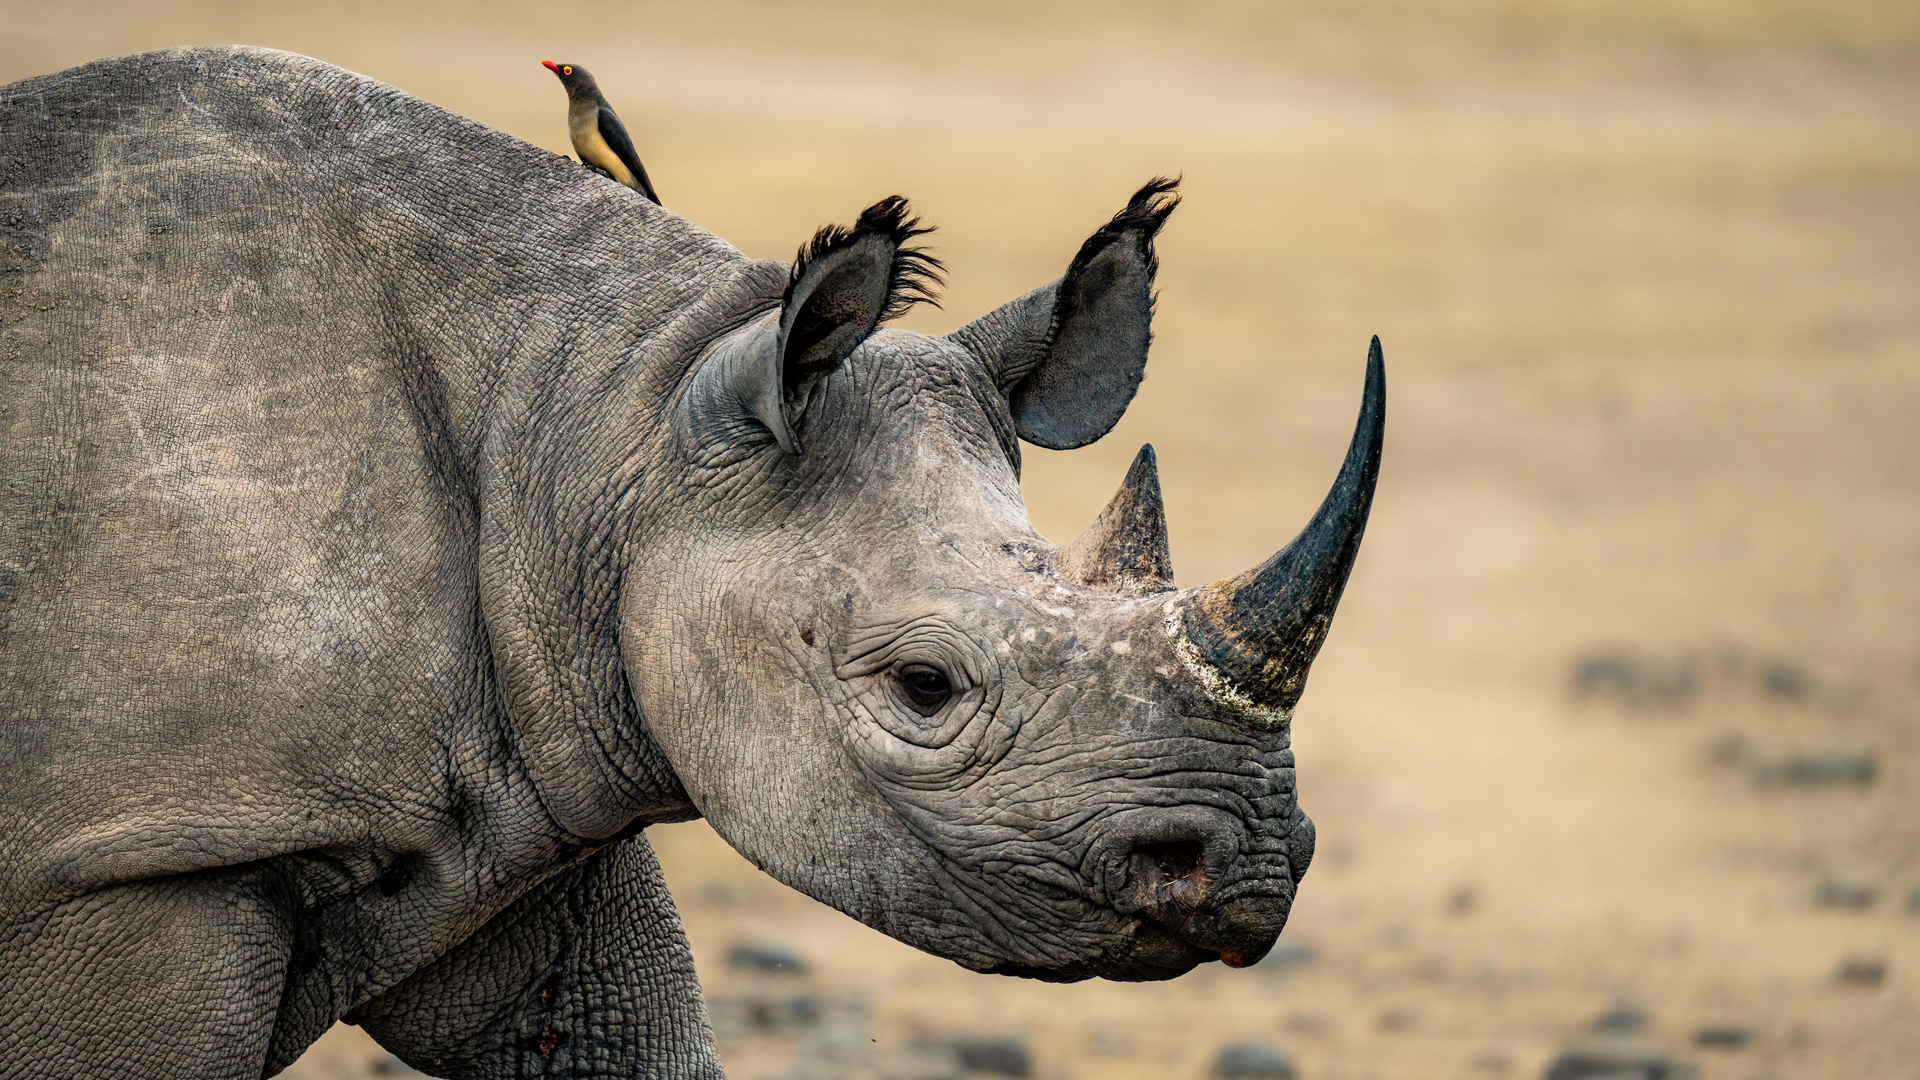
(377, 559)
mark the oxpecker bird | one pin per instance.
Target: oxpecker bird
(598, 135)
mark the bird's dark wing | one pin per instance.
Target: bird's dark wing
(612, 130)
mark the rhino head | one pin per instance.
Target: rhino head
(880, 684)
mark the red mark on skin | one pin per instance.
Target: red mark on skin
(1234, 960)
(549, 1042)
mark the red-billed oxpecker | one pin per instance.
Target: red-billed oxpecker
(598, 135)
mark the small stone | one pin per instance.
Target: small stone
(1785, 679)
(1636, 680)
(1844, 893)
(1492, 1061)
(1622, 1019)
(833, 1052)
(1730, 748)
(1913, 902)
(997, 1055)
(1107, 1043)
(766, 957)
(1824, 768)
(1863, 971)
(1723, 1036)
(1308, 1023)
(392, 1066)
(1395, 1020)
(920, 1061)
(761, 1014)
(1619, 1059)
(1462, 900)
(1254, 1059)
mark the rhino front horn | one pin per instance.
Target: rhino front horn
(1126, 546)
(1263, 628)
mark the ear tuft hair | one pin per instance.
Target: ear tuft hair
(1070, 354)
(916, 276)
(1144, 214)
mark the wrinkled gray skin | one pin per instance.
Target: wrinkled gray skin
(392, 524)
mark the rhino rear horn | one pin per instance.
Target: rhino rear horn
(1126, 546)
(844, 283)
(1069, 355)
(1263, 629)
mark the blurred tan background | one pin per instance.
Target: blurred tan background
(1616, 743)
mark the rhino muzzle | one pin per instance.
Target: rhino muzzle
(1185, 869)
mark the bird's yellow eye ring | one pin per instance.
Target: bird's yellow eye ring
(567, 70)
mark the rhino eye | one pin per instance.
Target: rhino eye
(927, 689)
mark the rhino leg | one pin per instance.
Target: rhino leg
(171, 977)
(589, 975)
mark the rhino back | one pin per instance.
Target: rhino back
(265, 328)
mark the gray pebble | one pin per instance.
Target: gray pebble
(1395, 1020)
(1822, 768)
(1723, 1036)
(1107, 1043)
(1622, 1019)
(1844, 893)
(998, 1055)
(1785, 679)
(761, 1014)
(1619, 1059)
(1729, 748)
(1254, 1059)
(766, 957)
(1492, 1061)
(1308, 1023)
(1865, 971)
(1636, 680)
(920, 1062)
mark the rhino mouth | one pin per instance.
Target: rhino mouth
(1156, 911)
(1238, 932)
(1149, 953)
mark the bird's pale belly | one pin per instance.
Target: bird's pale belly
(593, 149)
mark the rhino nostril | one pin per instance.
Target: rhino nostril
(1174, 873)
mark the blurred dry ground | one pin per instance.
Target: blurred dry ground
(1621, 717)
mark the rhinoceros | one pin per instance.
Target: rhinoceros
(396, 519)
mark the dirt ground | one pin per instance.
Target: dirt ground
(1620, 721)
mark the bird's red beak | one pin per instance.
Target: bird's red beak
(550, 66)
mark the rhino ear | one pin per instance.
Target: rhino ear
(1070, 355)
(844, 283)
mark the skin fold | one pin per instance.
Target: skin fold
(396, 520)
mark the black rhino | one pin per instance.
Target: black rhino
(396, 519)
